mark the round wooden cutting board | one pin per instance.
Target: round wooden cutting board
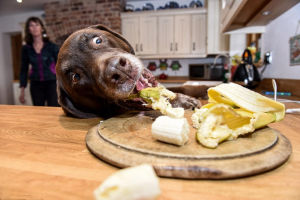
(126, 141)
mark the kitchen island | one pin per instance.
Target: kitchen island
(43, 155)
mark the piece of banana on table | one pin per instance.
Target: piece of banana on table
(134, 183)
(232, 111)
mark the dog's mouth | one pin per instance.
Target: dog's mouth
(146, 80)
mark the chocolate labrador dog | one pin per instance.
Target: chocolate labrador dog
(97, 71)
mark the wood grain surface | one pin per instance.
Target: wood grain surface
(126, 141)
(43, 155)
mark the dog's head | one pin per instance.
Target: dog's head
(97, 67)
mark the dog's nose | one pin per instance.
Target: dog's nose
(122, 62)
(118, 69)
(123, 65)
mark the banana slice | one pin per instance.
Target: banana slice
(132, 183)
(171, 130)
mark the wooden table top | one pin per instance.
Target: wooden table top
(43, 155)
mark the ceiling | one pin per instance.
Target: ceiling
(12, 7)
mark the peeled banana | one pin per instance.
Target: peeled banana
(158, 98)
(171, 130)
(172, 127)
(233, 110)
(132, 183)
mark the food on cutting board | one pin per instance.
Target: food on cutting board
(171, 130)
(232, 111)
(172, 127)
(134, 183)
(158, 98)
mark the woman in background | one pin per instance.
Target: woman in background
(42, 55)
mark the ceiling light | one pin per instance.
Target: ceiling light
(265, 13)
(19, 1)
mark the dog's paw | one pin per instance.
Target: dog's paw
(186, 102)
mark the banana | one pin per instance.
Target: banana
(239, 96)
(132, 183)
(158, 98)
(171, 130)
(172, 127)
(233, 111)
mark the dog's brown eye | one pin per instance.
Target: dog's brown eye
(97, 40)
(75, 77)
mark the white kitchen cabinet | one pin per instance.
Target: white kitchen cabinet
(141, 32)
(165, 35)
(148, 35)
(217, 42)
(198, 34)
(176, 33)
(182, 34)
(130, 31)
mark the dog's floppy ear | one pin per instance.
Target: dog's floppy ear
(68, 106)
(104, 28)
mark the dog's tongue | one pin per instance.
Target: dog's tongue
(140, 85)
(146, 80)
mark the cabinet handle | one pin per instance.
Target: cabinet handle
(171, 47)
(175, 46)
(137, 48)
(141, 47)
(194, 46)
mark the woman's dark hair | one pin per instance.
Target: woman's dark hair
(28, 37)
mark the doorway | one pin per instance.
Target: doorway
(16, 54)
(16, 47)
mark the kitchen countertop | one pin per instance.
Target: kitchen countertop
(180, 79)
(174, 79)
(43, 155)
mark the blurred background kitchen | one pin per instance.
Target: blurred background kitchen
(180, 41)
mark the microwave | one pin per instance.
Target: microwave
(206, 72)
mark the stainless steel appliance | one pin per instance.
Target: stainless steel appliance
(206, 72)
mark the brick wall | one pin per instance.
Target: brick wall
(64, 18)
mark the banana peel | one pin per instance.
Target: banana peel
(233, 111)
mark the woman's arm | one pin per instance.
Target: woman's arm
(22, 95)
